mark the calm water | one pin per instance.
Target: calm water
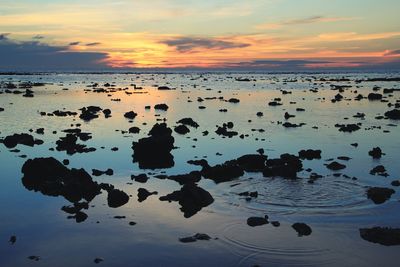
(334, 207)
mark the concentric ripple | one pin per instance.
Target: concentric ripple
(328, 195)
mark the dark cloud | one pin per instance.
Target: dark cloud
(34, 55)
(4, 36)
(93, 44)
(187, 44)
(393, 53)
(74, 43)
(38, 37)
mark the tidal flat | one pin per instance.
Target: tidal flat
(199, 169)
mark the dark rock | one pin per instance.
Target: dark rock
(108, 172)
(89, 113)
(134, 130)
(225, 172)
(310, 154)
(234, 100)
(379, 170)
(194, 238)
(349, 128)
(374, 96)
(12, 141)
(130, 115)
(256, 221)
(51, 177)
(302, 229)
(154, 152)
(286, 166)
(393, 114)
(381, 235)
(163, 107)
(379, 195)
(376, 153)
(117, 198)
(252, 163)
(189, 122)
(143, 194)
(141, 178)
(191, 198)
(335, 166)
(181, 129)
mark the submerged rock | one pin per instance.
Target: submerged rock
(381, 235)
(335, 166)
(194, 238)
(376, 153)
(143, 194)
(189, 122)
(310, 154)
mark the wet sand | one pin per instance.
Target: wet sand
(199, 169)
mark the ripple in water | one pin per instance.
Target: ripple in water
(328, 195)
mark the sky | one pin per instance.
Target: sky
(260, 34)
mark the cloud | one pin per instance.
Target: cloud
(38, 37)
(188, 44)
(393, 53)
(34, 55)
(74, 43)
(302, 21)
(93, 44)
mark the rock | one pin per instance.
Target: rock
(189, 122)
(374, 96)
(393, 114)
(51, 177)
(381, 235)
(134, 130)
(379, 195)
(192, 177)
(143, 194)
(395, 183)
(302, 229)
(163, 107)
(117, 198)
(288, 116)
(379, 170)
(252, 162)
(256, 221)
(191, 198)
(34, 258)
(107, 113)
(194, 238)
(225, 172)
(287, 166)
(376, 153)
(89, 113)
(310, 154)
(1, 109)
(164, 88)
(349, 128)
(70, 145)
(12, 141)
(141, 178)
(108, 172)
(154, 152)
(234, 100)
(130, 115)
(335, 166)
(181, 129)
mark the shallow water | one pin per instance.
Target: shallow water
(334, 207)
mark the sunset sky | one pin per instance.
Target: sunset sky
(214, 34)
